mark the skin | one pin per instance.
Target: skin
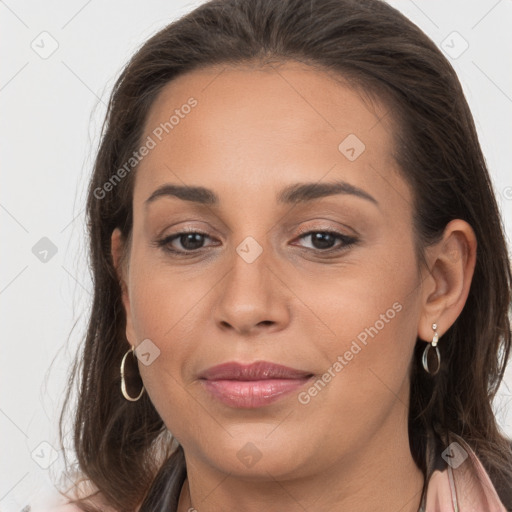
(253, 132)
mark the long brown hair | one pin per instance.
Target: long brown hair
(123, 448)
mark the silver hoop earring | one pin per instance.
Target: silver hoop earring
(123, 383)
(424, 359)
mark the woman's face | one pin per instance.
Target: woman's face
(264, 280)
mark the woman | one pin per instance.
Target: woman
(301, 279)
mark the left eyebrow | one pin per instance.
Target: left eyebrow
(291, 194)
(303, 192)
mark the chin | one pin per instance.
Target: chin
(257, 456)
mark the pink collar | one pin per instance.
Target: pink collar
(463, 486)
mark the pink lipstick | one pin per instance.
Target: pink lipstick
(253, 385)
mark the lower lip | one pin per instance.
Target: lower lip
(249, 394)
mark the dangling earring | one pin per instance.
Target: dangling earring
(424, 359)
(123, 383)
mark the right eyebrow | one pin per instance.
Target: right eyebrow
(195, 194)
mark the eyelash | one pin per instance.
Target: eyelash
(348, 241)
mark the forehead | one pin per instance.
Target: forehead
(264, 127)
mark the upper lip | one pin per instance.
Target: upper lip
(259, 370)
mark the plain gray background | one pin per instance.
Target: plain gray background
(52, 107)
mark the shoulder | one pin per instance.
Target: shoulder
(57, 502)
(62, 500)
(53, 501)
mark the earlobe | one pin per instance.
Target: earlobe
(452, 264)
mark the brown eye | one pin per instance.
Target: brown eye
(325, 241)
(189, 241)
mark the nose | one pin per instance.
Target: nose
(253, 299)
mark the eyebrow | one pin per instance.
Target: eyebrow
(291, 194)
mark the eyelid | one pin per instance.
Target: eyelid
(348, 239)
(177, 229)
(352, 233)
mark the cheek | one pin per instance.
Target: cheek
(167, 317)
(167, 309)
(163, 299)
(371, 314)
(166, 312)
(366, 379)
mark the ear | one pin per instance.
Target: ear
(446, 286)
(118, 248)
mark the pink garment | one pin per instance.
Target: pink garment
(462, 488)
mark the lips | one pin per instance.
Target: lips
(259, 370)
(254, 385)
